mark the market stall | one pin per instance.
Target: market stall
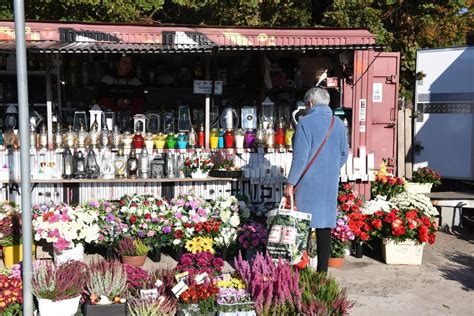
(203, 90)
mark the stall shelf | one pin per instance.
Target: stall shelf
(368, 89)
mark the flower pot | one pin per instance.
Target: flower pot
(191, 310)
(249, 254)
(357, 249)
(75, 253)
(155, 255)
(66, 307)
(419, 187)
(105, 310)
(199, 174)
(224, 253)
(136, 261)
(406, 252)
(335, 262)
(14, 254)
(179, 253)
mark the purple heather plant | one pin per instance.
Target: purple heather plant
(274, 286)
(136, 277)
(58, 283)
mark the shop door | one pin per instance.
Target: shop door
(384, 107)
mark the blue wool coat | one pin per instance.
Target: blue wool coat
(317, 192)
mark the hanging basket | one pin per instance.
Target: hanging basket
(65, 307)
(406, 252)
(74, 253)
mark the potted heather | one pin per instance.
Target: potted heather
(105, 288)
(272, 285)
(132, 251)
(423, 180)
(58, 288)
(163, 306)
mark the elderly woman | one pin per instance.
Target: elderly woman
(313, 187)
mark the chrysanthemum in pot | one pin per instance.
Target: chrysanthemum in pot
(58, 288)
(133, 251)
(105, 288)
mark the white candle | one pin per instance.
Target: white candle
(349, 164)
(371, 162)
(363, 160)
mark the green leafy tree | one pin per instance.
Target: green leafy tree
(86, 10)
(405, 26)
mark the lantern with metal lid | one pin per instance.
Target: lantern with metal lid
(268, 112)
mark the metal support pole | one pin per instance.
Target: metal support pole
(207, 109)
(23, 114)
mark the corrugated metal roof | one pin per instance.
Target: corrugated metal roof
(59, 37)
(301, 48)
(105, 47)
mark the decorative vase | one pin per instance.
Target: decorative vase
(66, 307)
(14, 254)
(357, 249)
(336, 262)
(199, 174)
(74, 253)
(406, 252)
(155, 255)
(419, 187)
(105, 310)
(136, 261)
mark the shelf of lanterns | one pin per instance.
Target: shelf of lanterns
(126, 180)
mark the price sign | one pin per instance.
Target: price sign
(205, 87)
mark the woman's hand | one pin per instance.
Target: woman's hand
(289, 195)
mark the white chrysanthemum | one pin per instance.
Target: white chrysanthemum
(234, 220)
(408, 200)
(377, 204)
(225, 216)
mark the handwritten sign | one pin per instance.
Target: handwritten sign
(205, 87)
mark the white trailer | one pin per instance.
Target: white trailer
(444, 111)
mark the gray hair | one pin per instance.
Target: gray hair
(317, 96)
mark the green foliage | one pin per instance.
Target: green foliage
(321, 295)
(405, 26)
(140, 247)
(401, 25)
(338, 248)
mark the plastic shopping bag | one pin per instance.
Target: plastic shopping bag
(288, 235)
